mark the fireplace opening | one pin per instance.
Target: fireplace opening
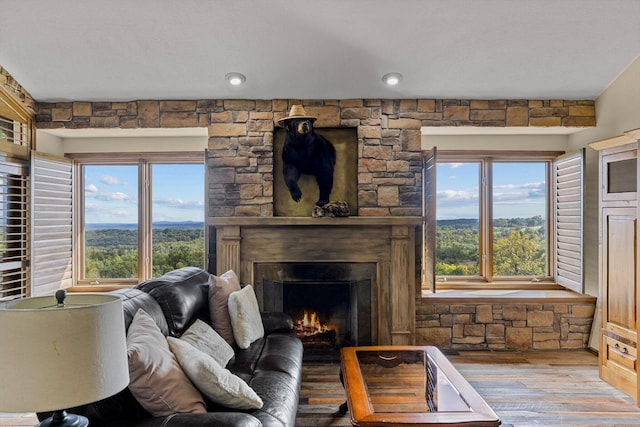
(331, 304)
(326, 315)
(321, 313)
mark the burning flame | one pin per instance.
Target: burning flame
(310, 324)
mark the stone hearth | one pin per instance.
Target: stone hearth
(248, 244)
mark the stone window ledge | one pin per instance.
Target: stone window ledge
(507, 296)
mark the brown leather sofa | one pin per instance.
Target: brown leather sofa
(272, 365)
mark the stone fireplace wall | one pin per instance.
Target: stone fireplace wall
(240, 156)
(240, 149)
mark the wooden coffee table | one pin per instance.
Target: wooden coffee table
(387, 385)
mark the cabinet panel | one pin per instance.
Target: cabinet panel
(619, 254)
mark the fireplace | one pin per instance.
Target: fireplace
(374, 257)
(330, 303)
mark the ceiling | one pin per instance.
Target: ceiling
(116, 50)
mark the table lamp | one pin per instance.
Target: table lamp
(60, 352)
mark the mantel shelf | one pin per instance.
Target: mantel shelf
(351, 221)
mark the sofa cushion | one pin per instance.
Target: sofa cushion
(182, 294)
(245, 317)
(134, 299)
(156, 379)
(281, 405)
(220, 287)
(206, 339)
(281, 353)
(214, 381)
(245, 360)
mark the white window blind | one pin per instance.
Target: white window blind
(52, 227)
(569, 192)
(14, 229)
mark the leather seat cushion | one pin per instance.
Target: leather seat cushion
(182, 294)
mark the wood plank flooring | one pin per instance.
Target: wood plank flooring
(543, 388)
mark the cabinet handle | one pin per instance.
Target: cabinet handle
(623, 349)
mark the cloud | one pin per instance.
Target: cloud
(117, 196)
(111, 180)
(179, 203)
(91, 188)
(451, 165)
(449, 196)
(519, 192)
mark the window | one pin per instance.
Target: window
(499, 218)
(141, 217)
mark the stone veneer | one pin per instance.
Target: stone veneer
(240, 164)
(240, 157)
(16, 90)
(504, 326)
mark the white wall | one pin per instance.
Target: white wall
(59, 142)
(496, 142)
(617, 110)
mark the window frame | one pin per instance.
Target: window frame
(144, 162)
(486, 280)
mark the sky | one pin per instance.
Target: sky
(111, 193)
(519, 190)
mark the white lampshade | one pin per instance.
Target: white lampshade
(54, 358)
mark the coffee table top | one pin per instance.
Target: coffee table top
(409, 385)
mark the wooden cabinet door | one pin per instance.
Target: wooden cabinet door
(619, 270)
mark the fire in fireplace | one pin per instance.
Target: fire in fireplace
(312, 331)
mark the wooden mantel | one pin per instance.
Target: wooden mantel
(389, 242)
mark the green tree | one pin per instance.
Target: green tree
(518, 254)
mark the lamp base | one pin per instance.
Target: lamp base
(62, 419)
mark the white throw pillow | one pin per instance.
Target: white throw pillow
(245, 317)
(214, 381)
(206, 339)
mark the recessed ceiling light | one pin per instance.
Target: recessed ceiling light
(235, 79)
(392, 79)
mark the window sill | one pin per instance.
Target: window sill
(507, 296)
(98, 288)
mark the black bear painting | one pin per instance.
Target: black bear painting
(306, 152)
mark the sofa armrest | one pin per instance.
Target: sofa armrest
(212, 419)
(274, 321)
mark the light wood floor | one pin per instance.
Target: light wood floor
(545, 388)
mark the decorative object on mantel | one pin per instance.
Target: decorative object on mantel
(306, 152)
(60, 352)
(331, 209)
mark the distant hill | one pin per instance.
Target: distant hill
(534, 221)
(160, 224)
(459, 222)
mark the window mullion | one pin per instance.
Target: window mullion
(486, 218)
(144, 220)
